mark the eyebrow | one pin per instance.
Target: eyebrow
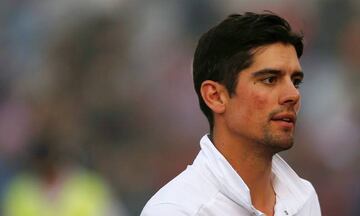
(270, 71)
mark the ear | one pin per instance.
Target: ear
(214, 95)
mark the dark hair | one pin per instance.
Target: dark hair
(227, 49)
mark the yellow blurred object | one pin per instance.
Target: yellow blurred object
(79, 194)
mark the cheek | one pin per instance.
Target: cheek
(258, 101)
(254, 107)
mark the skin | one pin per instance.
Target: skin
(245, 130)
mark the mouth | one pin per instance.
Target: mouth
(285, 119)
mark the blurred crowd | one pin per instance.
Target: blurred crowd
(98, 111)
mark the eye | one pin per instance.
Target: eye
(270, 80)
(297, 82)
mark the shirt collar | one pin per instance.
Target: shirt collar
(231, 184)
(291, 190)
(289, 187)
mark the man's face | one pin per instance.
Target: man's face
(266, 101)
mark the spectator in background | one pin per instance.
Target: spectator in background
(59, 177)
(50, 187)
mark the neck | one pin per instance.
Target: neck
(253, 163)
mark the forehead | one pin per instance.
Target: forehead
(275, 56)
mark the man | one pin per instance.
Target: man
(246, 74)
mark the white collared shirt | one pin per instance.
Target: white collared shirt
(211, 187)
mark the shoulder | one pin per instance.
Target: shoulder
(183, 195)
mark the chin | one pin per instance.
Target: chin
(275, 140)
(279, 143)
(283, 145)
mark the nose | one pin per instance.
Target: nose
(289, 95)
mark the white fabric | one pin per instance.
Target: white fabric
(211, 187)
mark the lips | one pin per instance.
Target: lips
(285, 117)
